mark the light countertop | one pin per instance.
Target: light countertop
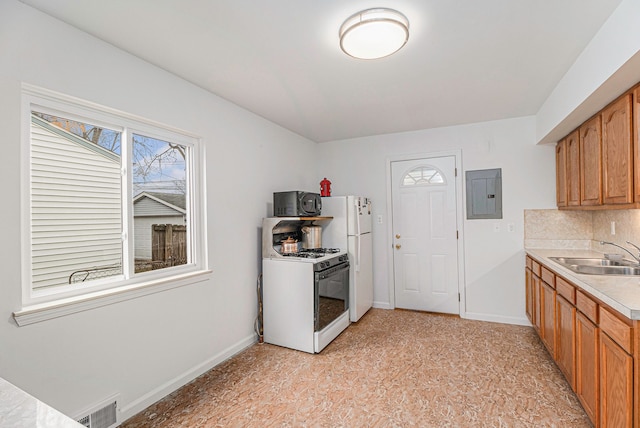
(622, 293)
(20, 410)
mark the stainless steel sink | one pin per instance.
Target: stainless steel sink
(596, 266)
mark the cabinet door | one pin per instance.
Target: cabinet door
(616, 385)
(529, 294)
(587, 367)
(548, 306)
(561, 174)
(566, 339)
(617, 152)
(537, 303)
(591, 162)
(572, 143)
(636, 138)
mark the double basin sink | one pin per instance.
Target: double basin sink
(596, 266)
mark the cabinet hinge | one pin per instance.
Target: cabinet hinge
(455, 171)
(457, 235)
(458, 297)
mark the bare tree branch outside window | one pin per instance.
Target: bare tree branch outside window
(158, 166)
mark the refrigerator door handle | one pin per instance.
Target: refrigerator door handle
(358, 253)
(356, 213)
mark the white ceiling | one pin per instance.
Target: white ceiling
(466, 60)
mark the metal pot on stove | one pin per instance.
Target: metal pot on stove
(311, 237)
(289, 245)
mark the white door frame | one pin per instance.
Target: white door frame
(457, 154)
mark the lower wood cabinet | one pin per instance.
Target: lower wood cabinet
(595, 347)
(566, 339)
(588, 366)
(616, 384)
(529, 294)
(548, 310)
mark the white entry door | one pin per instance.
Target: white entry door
(425, 234)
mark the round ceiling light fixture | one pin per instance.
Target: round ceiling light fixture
(374, 33)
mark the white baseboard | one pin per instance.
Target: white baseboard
(474, 316)
(382, 305)
(167, 388)
(496, 318)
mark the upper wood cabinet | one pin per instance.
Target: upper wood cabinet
(617, 152)
(573, 168)
(561, 173)
(636, 140)
(598, 164)
(591, 162)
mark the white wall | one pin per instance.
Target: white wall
(494, 278)
(146, 347)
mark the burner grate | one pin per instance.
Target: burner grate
(312, 253)
(320, 250)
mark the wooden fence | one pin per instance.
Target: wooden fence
(168, 248)
(168, 245)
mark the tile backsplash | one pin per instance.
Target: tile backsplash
(580, 229)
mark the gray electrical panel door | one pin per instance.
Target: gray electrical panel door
(484, 194)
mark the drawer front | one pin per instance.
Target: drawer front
(548, 277)
(529, 262)
(566, 290)
(587, 306)
(616, 329)
(535, 267)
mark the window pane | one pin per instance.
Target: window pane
(423, 176)
(159, 204)
(76, 217)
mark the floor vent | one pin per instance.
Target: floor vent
(103, 417)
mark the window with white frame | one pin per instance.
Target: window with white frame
(112, 199)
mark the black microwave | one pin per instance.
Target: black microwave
(296, 204)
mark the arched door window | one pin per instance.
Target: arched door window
(423, 176)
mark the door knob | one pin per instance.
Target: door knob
(397, 236)
(398, 246)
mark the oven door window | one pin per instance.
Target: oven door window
(332, 295)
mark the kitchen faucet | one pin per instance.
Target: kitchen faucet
(636, 258)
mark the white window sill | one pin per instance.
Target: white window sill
(58, 308)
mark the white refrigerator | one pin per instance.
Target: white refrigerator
(350, 229)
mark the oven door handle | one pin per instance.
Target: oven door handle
(333, 271)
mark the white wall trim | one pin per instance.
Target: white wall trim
(141, 403)
(497, 318)
(457, 154)
(382, 305)
(71, 305)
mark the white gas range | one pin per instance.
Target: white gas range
(305, 293)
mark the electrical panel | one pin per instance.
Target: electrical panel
(484, 194)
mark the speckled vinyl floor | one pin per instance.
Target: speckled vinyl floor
(391, 369)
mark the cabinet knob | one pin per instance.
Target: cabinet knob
(397, 236)
(398, 246)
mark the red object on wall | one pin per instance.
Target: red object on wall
(325, 187)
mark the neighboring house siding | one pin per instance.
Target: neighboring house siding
(149, 207)
(76, 208)
(142, 233)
